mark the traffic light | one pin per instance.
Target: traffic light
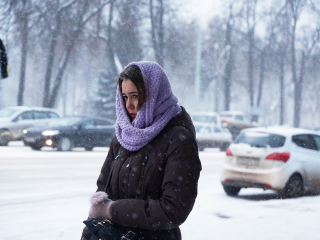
(3, 61)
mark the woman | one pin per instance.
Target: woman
(154, 181)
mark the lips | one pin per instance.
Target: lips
(133, 115)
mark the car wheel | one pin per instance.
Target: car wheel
(35, 147)
(293, 188)
(224, 146)
(65, 144)
(231, 191)
(4, 137)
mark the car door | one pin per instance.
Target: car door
(206, 133)
(308, 154)
(21, 122)
(247, 122)
(40, 118)
(218, 135)
(104, 131)
(239, 122)
(86, 134)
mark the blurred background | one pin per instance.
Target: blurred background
(258, 57)
(233, 64)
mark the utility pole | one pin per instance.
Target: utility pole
(198, 70)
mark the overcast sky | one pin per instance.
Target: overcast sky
(203, 10)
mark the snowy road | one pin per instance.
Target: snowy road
(44, 195)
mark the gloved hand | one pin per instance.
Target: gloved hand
(100, 206)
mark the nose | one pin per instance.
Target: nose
(129, 104)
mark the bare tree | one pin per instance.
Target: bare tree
(294, 9)
(75, 18)
(229, 59)
(55, 33)
(157, 29)
(22, 12)
(127, 36)
(250, 17)
(281, 43)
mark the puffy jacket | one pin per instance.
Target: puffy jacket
(155, 188)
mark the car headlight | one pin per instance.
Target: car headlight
(50, 132)
(25, 131)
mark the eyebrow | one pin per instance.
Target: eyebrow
(130, 93)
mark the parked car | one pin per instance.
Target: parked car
(211, 135)
(206, 117)
(67, 133)
(236, 121)
(283, 159)
(13, 120)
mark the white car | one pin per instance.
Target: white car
(211, 135)
(206, 117)
(14, 120)
(279, 158)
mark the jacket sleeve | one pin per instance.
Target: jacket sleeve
(179, 191)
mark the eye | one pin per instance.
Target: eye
(135, 96)
(125, 98)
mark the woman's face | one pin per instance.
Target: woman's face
(130, 97)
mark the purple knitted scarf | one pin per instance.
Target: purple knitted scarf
(160, 107)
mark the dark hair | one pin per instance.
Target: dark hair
(134, 74)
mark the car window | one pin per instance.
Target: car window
(216, 129)
(226, 115)
(246, 119)
(225, 130)
(40, 115)
(88, 122)
(208, 129)
(239, 117)
(317, 141)
(63, 122)
(101, 122)
(261, 139)
(24, 116)
(304, 141)
(205, 130)
(213, 119)
(53, 115)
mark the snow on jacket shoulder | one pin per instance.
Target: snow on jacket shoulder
(155, 188)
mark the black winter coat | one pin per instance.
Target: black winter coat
(155, 188)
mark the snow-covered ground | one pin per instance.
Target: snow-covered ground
(44, 195)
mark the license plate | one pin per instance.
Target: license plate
(248, 161)
(30, 140)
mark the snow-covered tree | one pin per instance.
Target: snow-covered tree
(105, 100)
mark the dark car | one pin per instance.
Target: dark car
(66, 133)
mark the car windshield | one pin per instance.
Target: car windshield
(260, 139)
(64, 122)
(205, 119)
(226, 115)
(7, 112)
